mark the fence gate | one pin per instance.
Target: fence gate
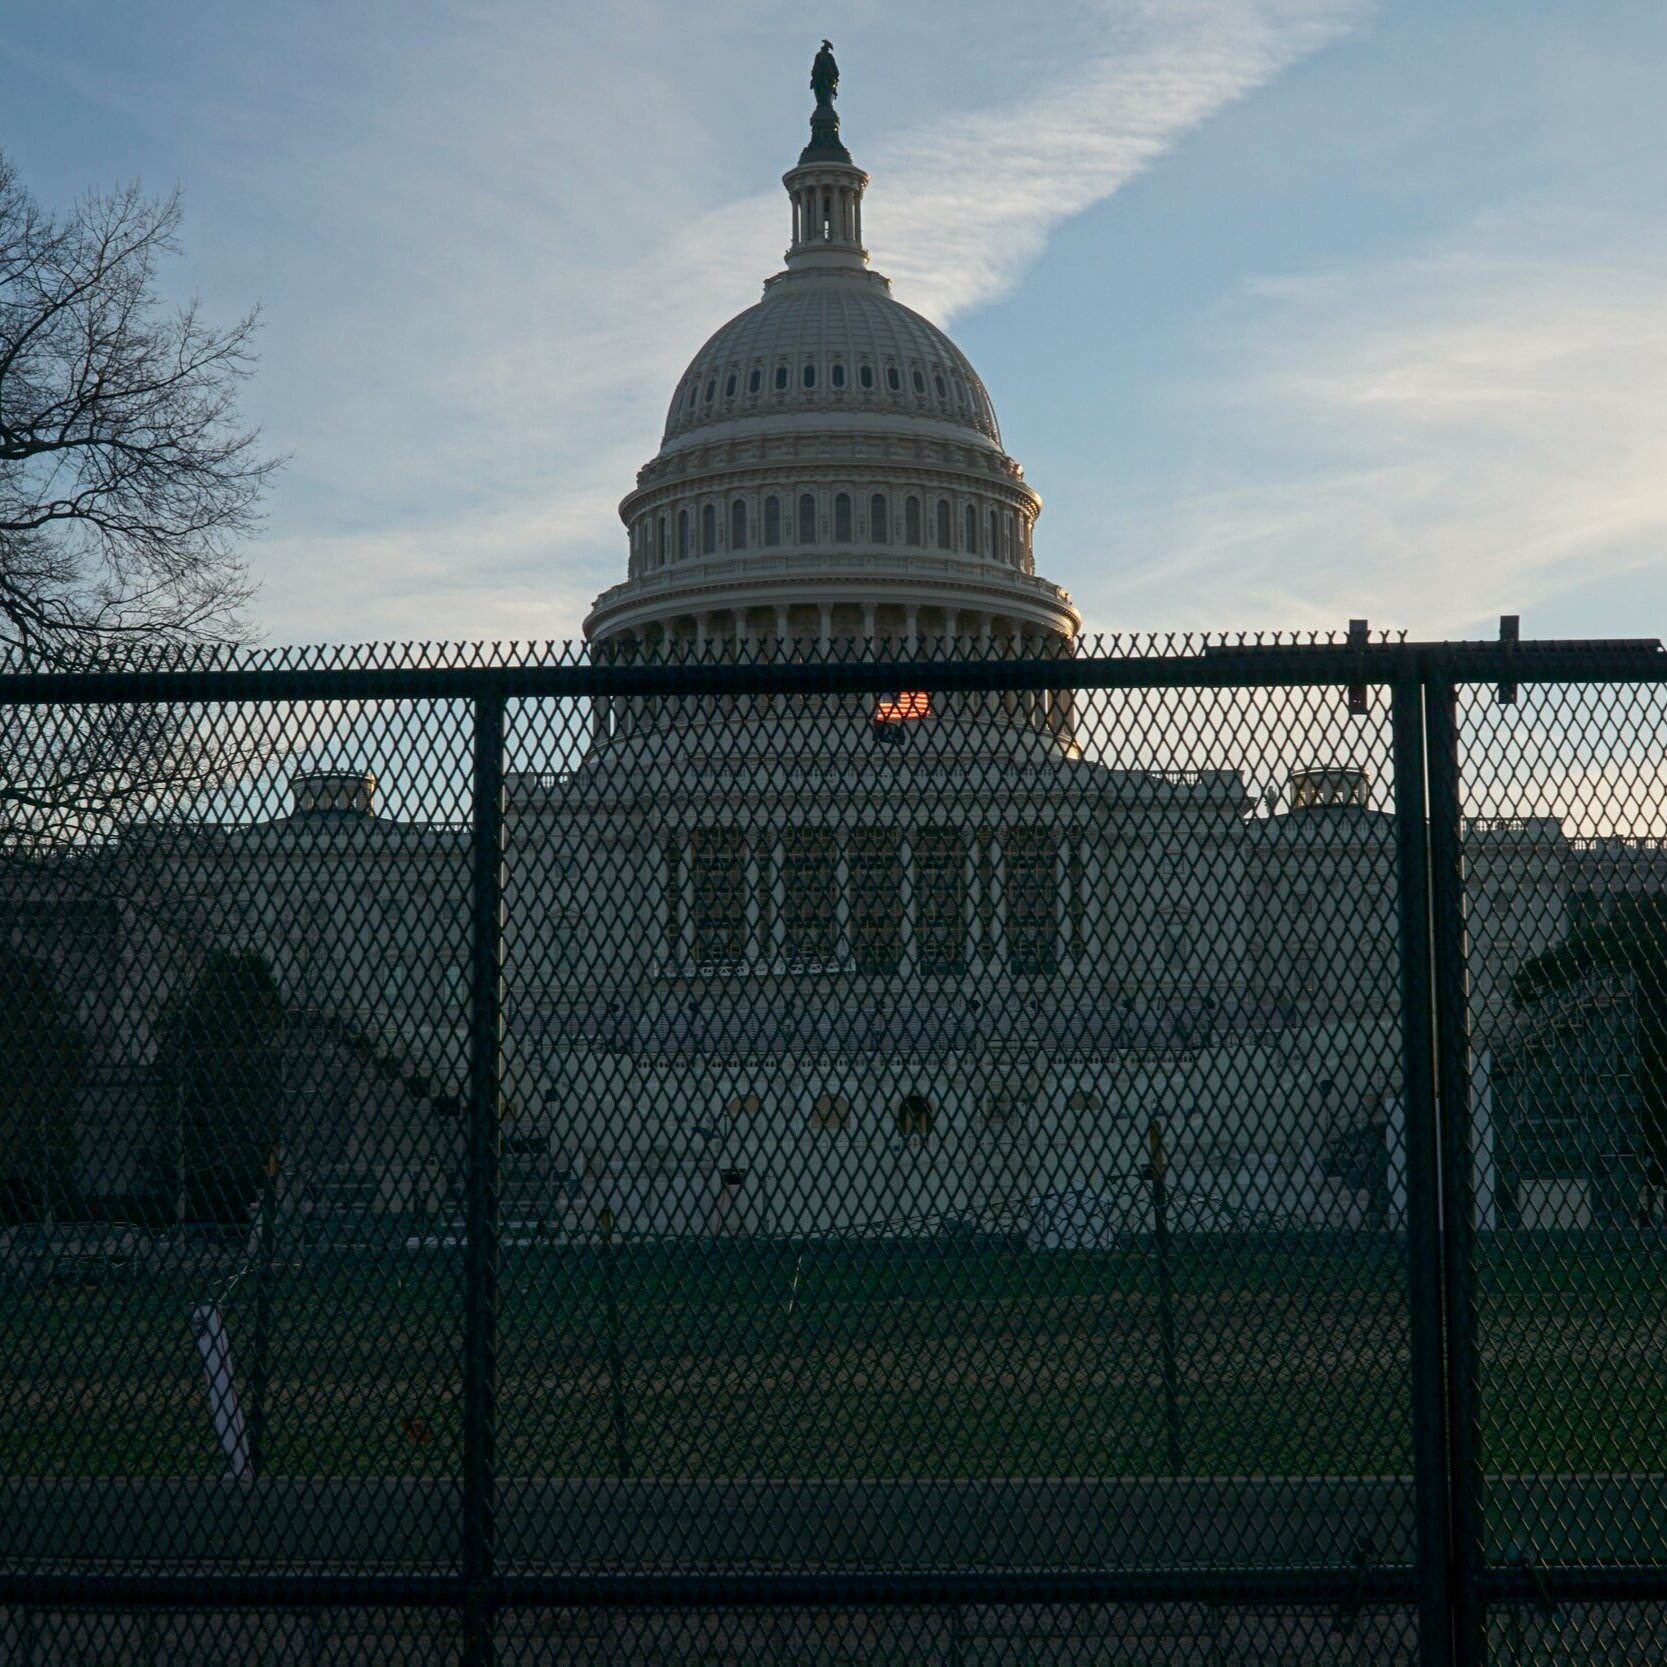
(836, 1158)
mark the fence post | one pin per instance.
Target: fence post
(1424, 1282)
(1453, 1087)
(480, 1294)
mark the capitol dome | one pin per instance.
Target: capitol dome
(831, 470)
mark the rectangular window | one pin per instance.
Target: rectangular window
(1031, 945)
(810, 894)
(876, 863)
(718, 882)
(940, 864)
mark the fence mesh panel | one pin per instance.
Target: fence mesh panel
(950, 1125)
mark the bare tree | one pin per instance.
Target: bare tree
(126, 479)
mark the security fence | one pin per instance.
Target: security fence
(836, 1155)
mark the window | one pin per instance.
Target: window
(914, 1116)
(972, 530)
(738, 524)
(879, 519)
(1007, 538)
(663, 536)
(876, 864)
(837, 376)
(915, 377)
(995, 539)
(893, 380)
(865, 376)
(1030, 894)
(781, 377)
(940, 899)
(711, 389)
(830, 1114)
(729, 386)
(755, 381)
(709, 529)
(842, 518)
(946, 536)
(807, 518)
(810, 894)
(809, 377)
(718, 888)
(911, 522)
(772, 521)
(941, 386)
(683, 535)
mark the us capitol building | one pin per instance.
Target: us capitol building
(821, 964)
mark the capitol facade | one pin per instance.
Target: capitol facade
(854, 964)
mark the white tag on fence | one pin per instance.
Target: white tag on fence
(215, 1347)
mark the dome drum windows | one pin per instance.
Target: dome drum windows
(683, 535)
(711, 388)
(709, 530)
(972, 530)
(865, 376)
(781, 379)
(807, 518)
(945, 530)
(730, 386)
(879, 519)
(942, 387)
(755, 380)
(912, 533)
(836, 374)
(842, 518)
(916, 377)
(738, 524)
(808, 375)
(894, 379)
(772, 521)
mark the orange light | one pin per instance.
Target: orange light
(912, 703)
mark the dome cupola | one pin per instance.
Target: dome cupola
(831, 466)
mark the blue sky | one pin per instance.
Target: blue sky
(1292, 309)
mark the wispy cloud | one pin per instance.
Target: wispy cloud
(1432, 441)
(543, 249)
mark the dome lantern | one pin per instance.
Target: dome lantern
(826, 187)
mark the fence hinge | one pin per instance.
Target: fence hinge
(1348, 1612)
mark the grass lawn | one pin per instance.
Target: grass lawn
(768, 1360)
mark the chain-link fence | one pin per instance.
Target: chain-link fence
(1155, 1156)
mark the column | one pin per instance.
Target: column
(781, 629)
(906, 901)
(824, 620)
(868, 622)
(702, 625)
(911, 629)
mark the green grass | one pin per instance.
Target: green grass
(919, 1361)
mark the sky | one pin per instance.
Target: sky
(1293, 310)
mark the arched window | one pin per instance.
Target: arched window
(682, 535)
(662, 561)
(946, 536)
(865, 376)
(738, 524)
(972, 530)
(914, 1116)
(894, 380)
(1007, 540)
(810, 373)
(729, 386)
(807, 518)
(911, 522)
(772, 520)
(830, 1113)
(755, 381)
(781, 377)
(995, 539)
(837, 376)
(879, 519)
(709, 530)
(943, 391)
(915, 377)
(842, 518)
(711, 388)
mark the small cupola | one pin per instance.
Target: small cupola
(338, 792)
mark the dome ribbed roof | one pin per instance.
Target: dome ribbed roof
(840, 344)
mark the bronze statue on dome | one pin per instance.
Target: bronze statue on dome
(824, 75)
